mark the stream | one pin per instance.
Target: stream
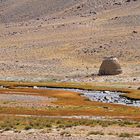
(102, 96)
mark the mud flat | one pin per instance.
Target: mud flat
(23, 98)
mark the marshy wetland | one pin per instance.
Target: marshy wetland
(47, 109)
(71, 49)
(102, 96)
(68, 99)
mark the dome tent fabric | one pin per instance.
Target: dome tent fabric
(110, 66)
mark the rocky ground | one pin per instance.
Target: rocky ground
(68, 40)
(75, 133)
(51, 40)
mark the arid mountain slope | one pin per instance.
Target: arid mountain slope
(15, 10)
(47, 39)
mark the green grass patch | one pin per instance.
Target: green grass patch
(26, 123)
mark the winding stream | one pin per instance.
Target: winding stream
(102, 96)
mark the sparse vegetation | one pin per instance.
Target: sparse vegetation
(50, 43)
(95, 133)
(28, 127)
(19, 123)
(76, 105)
(125, 135)
(65, 133)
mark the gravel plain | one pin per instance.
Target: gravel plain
(74, 133)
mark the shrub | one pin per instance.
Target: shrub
(110, 133)
(127, 135)
(7, 128)
(138, 125)
(27, 127)
(95, 133)
(48, 125)
(87, 99)
(66, 134)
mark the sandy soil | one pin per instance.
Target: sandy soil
(68, 40)
(75, 133)
(51, 40)
(21, 100)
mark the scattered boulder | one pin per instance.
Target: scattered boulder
(110, 66)
(135, 32)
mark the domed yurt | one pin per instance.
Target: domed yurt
(110, 66)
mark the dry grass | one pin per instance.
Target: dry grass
(131, 93)
(70, 103)
(19, 123)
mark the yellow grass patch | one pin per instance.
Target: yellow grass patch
(71, 103)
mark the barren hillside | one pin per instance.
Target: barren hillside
(15, 10)
(61, 39)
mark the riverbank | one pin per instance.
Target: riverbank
(130, 88)
(66, 103)
(57, 110)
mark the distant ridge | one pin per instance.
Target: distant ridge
(21, 10)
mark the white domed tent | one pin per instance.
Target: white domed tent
(110, 66)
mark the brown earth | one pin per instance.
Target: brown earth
(75, 133)
(67, 40)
